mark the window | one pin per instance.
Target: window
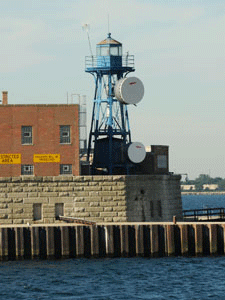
(120, 50)
(37, 211)
(159, 208)
(152, 209)
(105, 51)
(162, 161)
(114, 51)
(59, 210)
(26, 135)
(27, 169)
(66, 169)
(65, 134)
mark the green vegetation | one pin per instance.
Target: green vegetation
(205, 179)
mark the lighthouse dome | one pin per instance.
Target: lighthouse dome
(109, 47)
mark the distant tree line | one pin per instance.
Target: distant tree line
(205, 179)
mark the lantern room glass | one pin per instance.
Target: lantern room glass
(109, 50)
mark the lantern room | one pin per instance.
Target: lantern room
(109, 53)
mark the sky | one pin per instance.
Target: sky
(179, 49)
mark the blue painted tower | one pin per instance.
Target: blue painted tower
(110, 131)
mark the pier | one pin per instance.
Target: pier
(204, 214)
(55, 241)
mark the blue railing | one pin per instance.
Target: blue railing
(93, 61)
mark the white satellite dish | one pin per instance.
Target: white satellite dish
(136, 152)
(129, 90)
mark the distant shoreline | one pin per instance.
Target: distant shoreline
(203, 193)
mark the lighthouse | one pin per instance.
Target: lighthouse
(110, 135)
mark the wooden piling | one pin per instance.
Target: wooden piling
(35, 242)
(109, 241)
(3, 244)
(170, 240)
(65, 246)
(11, 243)
(139, 238)
(213, 238)
(50, 245)
(154, 239)
(223, 226)
(19, 243)
(184, 239)
(79, 241)
(198, 239)
(94, 241)
(220, 239)
(124, 241)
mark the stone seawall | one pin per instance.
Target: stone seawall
(28, 199)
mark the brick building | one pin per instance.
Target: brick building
(40, 140)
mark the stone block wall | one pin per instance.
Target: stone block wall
(153, 198)
(29, 199)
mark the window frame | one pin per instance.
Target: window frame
(69, 172)
(63, 139)
(24, 172)
(37, 212)
(26, 140)
(159, 208)
(152, 209)
(59, 210)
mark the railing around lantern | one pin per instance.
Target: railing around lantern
(92, 61)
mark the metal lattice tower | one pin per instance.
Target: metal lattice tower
(110, 130)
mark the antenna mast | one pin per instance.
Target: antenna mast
(108, 23)
(86, 27)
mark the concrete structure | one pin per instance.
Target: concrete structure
(205, 187)
(146, 198)
(210, 187)
(111, 240)
(187, 187)
(40, 140)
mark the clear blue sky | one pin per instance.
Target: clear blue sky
(179, 49)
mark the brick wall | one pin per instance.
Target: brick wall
(94, 198)
(45, 121)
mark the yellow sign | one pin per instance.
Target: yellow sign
(46, 158)
(10, 159)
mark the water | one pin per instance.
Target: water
(203, 201)
(108, 279)
(177, 278)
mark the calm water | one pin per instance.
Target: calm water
(203, 201)
(133, 278)
(123, 278)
